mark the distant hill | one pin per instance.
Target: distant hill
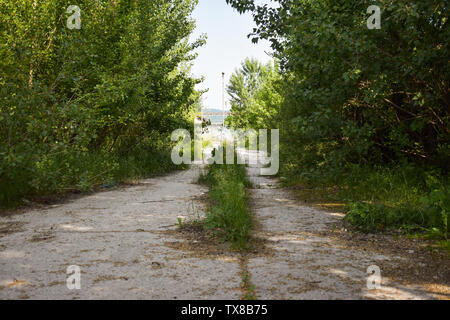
(214, 119)
(211, 110)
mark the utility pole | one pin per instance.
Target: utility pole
(223, 106)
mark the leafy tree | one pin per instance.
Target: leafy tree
(254, 98)
(365, 111)
(75, 102)
(359, 95)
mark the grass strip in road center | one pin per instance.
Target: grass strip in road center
(229, 215)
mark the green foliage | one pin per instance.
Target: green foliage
(248, 287)
(229, 213)
(379, 198)
(357, 102)
(254, 98)
(376, 217)
(79, 108)
(357, 95)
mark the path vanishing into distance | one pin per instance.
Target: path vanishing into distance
(127, 244)
(311, 256)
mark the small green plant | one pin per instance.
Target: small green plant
(251, 293)
(249, 287)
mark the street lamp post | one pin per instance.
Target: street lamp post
(223, 106)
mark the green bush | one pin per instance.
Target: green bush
(68, 171)
(378, 198)
(363, 114)
(85, 107)
(376, 217)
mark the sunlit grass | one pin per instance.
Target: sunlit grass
(374, 199)
(229, 215)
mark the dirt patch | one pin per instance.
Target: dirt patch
(43, 236)
(199, 242)
(17, 283)
(10, 227)
(109, 278)
(419, 263)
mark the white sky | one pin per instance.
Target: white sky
(226, 47)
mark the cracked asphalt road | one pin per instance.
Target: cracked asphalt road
(117, 239)
(126, 244)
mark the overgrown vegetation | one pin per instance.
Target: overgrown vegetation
(229, 215)
(255, 100)
(94, 106)
(379, 198)
(364, 114)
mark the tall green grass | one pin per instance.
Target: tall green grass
(78, 171)
(229, 215)
(403, 197)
